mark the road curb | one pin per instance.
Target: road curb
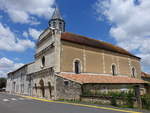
(82, 105)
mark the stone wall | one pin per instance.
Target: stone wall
(37, 65)
(108, 101)
(45, 43)
(17, 81)
(97, 61)
(9, 83)
(105, 88)
(97, 93)
(48, 84)
(66, 89)
(50, 50)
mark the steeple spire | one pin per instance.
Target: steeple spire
(56, 14)
(57, 21)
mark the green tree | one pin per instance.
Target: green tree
(3, 82)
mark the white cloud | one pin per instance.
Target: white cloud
(25, 34)
(145, 61)
(19, 16)
(131, 26)
(24, 11)
(9, 41)
(7, 65)
(34, 33)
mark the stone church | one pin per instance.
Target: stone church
(67, 65)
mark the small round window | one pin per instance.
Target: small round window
(43, 61)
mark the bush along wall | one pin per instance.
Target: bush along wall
(122, 99)
(146, 101)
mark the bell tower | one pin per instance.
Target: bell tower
(57, 21)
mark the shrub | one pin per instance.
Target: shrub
(129, 99)
(113, 99)
(126, 97)
(3, 82)
(146, 101)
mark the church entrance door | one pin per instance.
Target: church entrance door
(42, 87)
(50, 89)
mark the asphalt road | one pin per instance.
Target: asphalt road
(16, 104)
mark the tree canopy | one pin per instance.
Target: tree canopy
(3, 82)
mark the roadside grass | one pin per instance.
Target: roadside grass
(101, 104)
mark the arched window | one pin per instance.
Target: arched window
(54, 24)
(60, 26)
(133, 72)
(77, 66)
(114, 70)
(43, 61)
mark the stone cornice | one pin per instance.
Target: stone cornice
(44, 50)
(39, 42)
(43, 72)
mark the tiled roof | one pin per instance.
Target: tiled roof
(94, 43)
(145, 75)
(20, 68)
(104, 79)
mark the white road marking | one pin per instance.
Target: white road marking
(5, 100)
(13, 99)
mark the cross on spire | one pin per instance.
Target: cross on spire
(57, 21)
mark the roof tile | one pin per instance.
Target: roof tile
(86, 78)
(94, 43)
(145, 75)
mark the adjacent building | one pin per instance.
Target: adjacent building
(18, 81)
(146, 78)
(67, 65)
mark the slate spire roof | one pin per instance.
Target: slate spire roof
(56, 14)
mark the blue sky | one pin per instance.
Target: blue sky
(124, 23)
